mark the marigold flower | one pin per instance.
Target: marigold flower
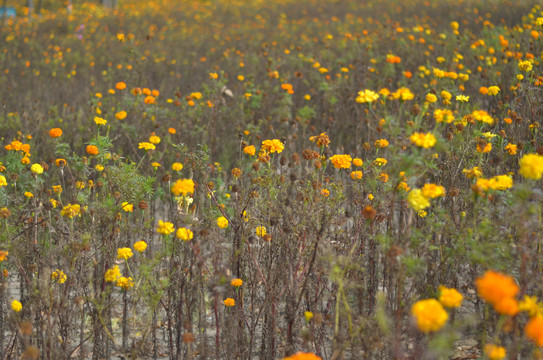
(177, 166)
(184, 234)
(308, 315)
(120, 85)
(357, 162)
(183, 187)
(320, 140)
(126, 206)
(380, 162)
(493, 90)
(404, 94)
(149, 100)
(531, 166)
(417, 201)
(496, 288)
(303, 356)
(431, 98)
(260, 231)
(432, 191)
(120, 115)
(140, 246)
(366, 96)
(423, 140)
(531, 305)
(482, 116)
(381, 143)
(3, 181)
(16, 306)
(450, 297)
(356, 175)
(146, 146)
(429, 315)
(71, 211)
(124, 283)
(92, 150)
(443, 115)
(525, 66)
(113, 274)
(511, 149)
(153, 139)
(57, 189)
(534, 330)
(273, 146)
(100, 121)
(165, 228)
(229, 302)
(249, 150)
(3, 255)
(124, 253)
(473, 173)
(495, 352)
(341, 161)
(36, 169)
(59, 276)
(486, 149)
(55, 132)
(236, 282)
(222, 222)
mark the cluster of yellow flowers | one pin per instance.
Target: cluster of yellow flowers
(429, 314)
(419, 199)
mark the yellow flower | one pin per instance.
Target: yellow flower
(165, 228)
(125, 283)
(57, 189)
(155, 165)
(59, 276)
(124, 253)
(229, 302)
(525, 65)
(511, 149)
(358, 162)
(341, 161)
(320, 140)
(417, 201)
(249, 150)
(153, 139)
(177, 166)
(3, 181)
(493, 90)
(473, 173)
(100, 121)
(381, 143)
(71, 210)
(403, 94)
(431, 98)
(127, 207)
(273, 146)
(380, 162)
(260, 231)
(531, 305)
(36, 169)
(325, 192)
(3, 255)
(495, 352)
(531, 166)
(308, 315)
(423, 140)
(183, 186)
(432, 191)
(146, 146)
(121, 115)
(486, 149)
(184, 234)
(429, 315)
(113, 274)
(356, 175)
(366, 96)
(16, 306)
(462, 98)
(236, 282)
(222, 222)
(140, 246)
(450, 298)
(443, 115)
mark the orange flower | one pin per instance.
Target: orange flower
(92, 150)
(55, 132)
(120, 85)
(303, 356)
(499, 290)
(534, 330)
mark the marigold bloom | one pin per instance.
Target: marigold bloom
(308, 315)
(183, 187)
(113, 274)
(249, 150)
(222, 222)
(511, 149)
(429, 315)
(140, 246)
(3, 255)
(153, 139)
(124, 282)
(124, 253)
(450, 297)
(260, 231)
(341, 161)
(120, 85)
(381, 143)
(380, 162)
(92, 150)
(497, 289)
(146, 146)
(16, 306)
(121, 115)
(357, 162)
(366, 96)
(184, 234)
(229, 302)
(443, 115)
(432, 191)
(417, 201)
(57, 189)
(303, 356)
(273, 146)
(482, 116)
(236, 282)
(431, 98)
(534, 330)
(495, 352)
(165, 228)
(36, 169)
(486, 149)
(525, 65)
(320, 140)
(356, 175)
(126, 206)
(473, 173)
(177, 166)
(71, 211)
(531, 166)
(55, 132)
(3, 181)
(493, 90)
(404, 94)
(531, 305)
(100, 121)
(423, 140)
(59, 276)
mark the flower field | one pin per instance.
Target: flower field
(285, 179)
